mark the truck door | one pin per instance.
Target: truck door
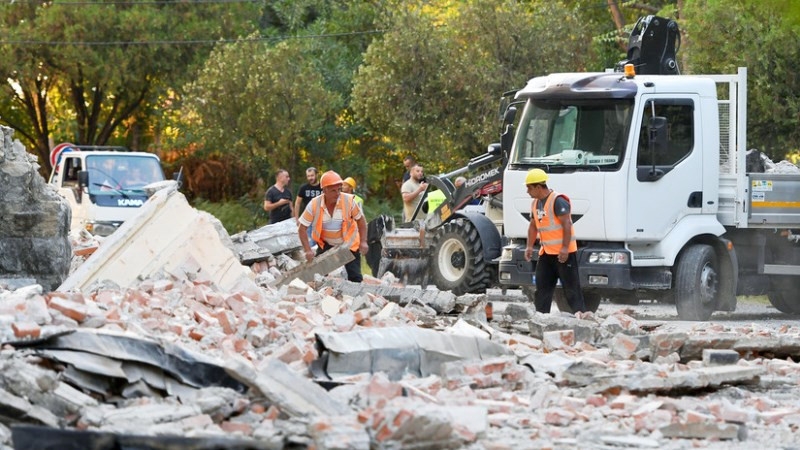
(666, 181)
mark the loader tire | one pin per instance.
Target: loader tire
(783, 293)
(697, 286)
(458, 262)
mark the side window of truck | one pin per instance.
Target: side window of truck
(680, 133)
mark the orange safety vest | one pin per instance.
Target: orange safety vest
(551, 233)
(349, 228)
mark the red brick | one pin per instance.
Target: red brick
(74, 311)
(236, 427)
(26, 329)
(227, 321)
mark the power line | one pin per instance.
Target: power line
(185, 42)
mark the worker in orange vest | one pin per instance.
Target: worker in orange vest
(552, 224)
(335, 218)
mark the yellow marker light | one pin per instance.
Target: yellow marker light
(630, 72)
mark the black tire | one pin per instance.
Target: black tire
(784, 293)
(458, 262)
(697, 286)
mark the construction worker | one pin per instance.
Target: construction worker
(349, 187)
(335, 218)
(413, 191)
(552, 224)
(307, 191)
(278, 199)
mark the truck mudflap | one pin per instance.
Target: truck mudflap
(729, 274)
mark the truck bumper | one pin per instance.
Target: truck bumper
(599, 267)
(513, 269)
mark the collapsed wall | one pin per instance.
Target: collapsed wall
(34, 232)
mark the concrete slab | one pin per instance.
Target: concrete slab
(168, 235)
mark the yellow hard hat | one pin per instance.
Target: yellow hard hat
(536, 176)
(351, 182)
(329, 178)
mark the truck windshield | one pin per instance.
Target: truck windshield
(573, 133)
(122, 172)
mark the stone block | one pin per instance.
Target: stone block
(713, 357)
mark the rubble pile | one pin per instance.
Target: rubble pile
(312, 367)
(171, 334)
(34, 244)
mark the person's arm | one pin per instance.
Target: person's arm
(302, 233)
(533, 231)
(363, 247)
(408, 197)
(269, 204)
(566, 226)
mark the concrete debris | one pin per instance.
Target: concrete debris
(260, 244)
(167, 235)
(34, 232)
(321, 264)
(397, 352)
(162, 338)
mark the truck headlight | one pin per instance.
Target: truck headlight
(609, 258)
(507, 254)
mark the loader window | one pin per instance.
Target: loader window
(573, 133)
(680, 133)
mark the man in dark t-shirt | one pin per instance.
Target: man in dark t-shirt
(278, 199)
(307, 191)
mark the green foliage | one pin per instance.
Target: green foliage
(260, 103)
(431, 83)
(93, 66)
(236, 216)
(762, 36)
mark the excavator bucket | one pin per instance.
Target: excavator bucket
(404, 251)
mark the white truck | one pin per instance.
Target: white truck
(654, 164)
(663, 207)
(103, 185)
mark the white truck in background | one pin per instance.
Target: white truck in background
(103, 185)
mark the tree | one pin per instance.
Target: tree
(260, 103)
(432, 82)
(100, 63)
(761, 36)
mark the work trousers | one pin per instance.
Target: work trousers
(548, 272)
(353, 268)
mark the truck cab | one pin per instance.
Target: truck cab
(639, 158)
(104, 187)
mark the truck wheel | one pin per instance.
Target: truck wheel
(458, 260)
(697, 283)
(783, 295)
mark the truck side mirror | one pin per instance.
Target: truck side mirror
(507, 138)
(83, 178)
(178, 176)
(657, 129)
